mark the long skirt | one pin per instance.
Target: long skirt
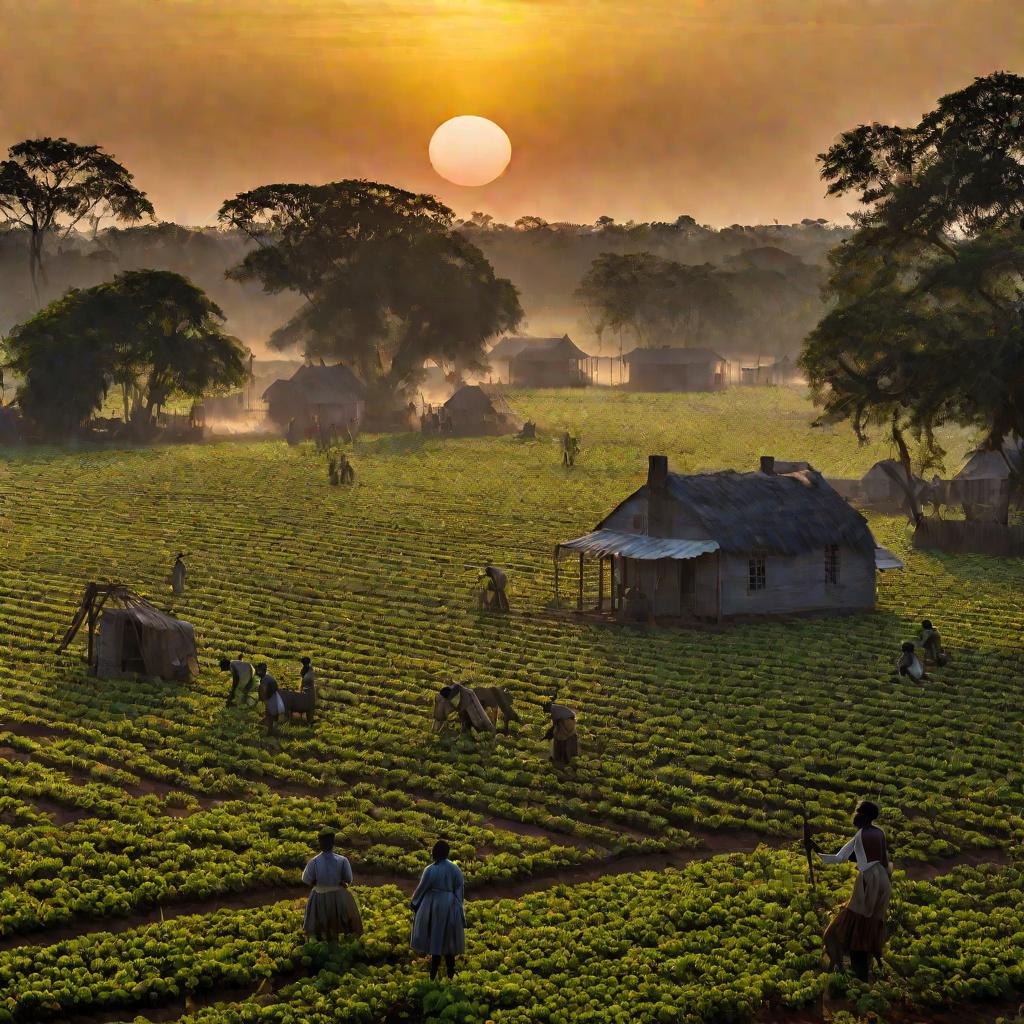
(331, 914)
(563, 751)
(860, 926)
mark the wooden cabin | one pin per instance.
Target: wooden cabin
(332, 393)
(676, 369)
(989, 482)
(477, 409)
(540, 362)
(883, 487)
(714, 546)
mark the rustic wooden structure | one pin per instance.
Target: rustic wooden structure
(722, 545)
(126, 635)
(676, 369)
(541, 362)
(334, 394)
(884, 487)
(481, 409)
(989, 482)
(958, 536)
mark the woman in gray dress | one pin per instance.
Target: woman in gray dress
(331, 909)
(439, 928)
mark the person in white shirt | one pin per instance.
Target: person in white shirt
(909, 666)
(859, 928)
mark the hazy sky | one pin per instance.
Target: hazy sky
(642, 109)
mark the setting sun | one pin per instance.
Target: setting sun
(469, 150)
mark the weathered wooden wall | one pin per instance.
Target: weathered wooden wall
(959, 537)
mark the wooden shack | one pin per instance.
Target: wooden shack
(989, 482)
(126, 635)
(722, 545)
(884, 486)
(540, 362)
(332, 393)
(479, 409)
(676, 369)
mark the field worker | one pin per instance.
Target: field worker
(331, 910)
(270, 694)
(497, 581)
(909, 666)
(439, 927)
(562, 733)
(465, 701)
(859, 928)
(308, 688)
(242, 674)
(931, 643)
(178, 575)
(346, 474)
(293, 432)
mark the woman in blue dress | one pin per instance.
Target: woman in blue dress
(439, 928)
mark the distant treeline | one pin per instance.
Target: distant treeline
(773, 272)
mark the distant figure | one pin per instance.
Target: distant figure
(352, 430)
(528, 431)
(331, 909)
(859, 928)
(493, 597)
(447, 424)
(178, 575)
(242, 674)
(439, 927)
(346, 474)
(308, 689)
(292, 436)
(332, 471)
(931, 643)
(270, 694)
(318, 434)
(562, 733)
(570, 449)
(909, 666)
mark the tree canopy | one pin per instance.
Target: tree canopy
(927, 324)
(51, 186)
(657, 300)
(152, 332)
(387, 282)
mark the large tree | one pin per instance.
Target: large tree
(657, 300)
(52, 186)
(152, 332)
(387, 283)
(926, 325)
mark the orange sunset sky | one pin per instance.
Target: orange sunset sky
(642, 109)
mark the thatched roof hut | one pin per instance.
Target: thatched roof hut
(541, 362)
(332, 393)
(676, 369)
(480, 409)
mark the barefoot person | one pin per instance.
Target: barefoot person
(439, 927)
(331, 909)
(859, 928)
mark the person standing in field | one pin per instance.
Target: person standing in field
(270, 694)
(931, 644)
(178, 573)
(859, 928)
(439, 925)
(562, 733)
(308, 689)
(242, 674)
(331, 909)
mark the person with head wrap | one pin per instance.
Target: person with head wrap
(562, 733)
(331, 909)
(859, 930)
(178, 572)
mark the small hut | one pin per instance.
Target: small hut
(989, 481)
(883, 486)
(126, 635)
(783, 372)
(332, 393)
(477, 409)
(722, 545)
(541, 362)
(676, 369)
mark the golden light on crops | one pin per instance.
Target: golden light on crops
(470, 150)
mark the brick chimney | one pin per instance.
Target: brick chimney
(657, 472)
(768, 465)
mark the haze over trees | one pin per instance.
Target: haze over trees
(387, 282)
(49, 187)
(928, 318)
(151, 333)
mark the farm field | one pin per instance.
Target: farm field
(151, 839)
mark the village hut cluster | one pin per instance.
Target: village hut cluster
(317, 395)
(714, 546)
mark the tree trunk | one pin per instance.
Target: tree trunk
(908, 479)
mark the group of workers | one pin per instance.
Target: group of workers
(276, 702)
(339, 469)
(437, 905)
(930, 643)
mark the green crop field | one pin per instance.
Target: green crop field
(151, 839)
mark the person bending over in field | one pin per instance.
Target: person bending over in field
(562, 733)
(493, 598)
(439, 925)
(859, 928)
(270, 694)
(331, 909)
(908, 665)
(931, 644)
(242, 674)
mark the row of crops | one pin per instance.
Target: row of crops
(118, 797)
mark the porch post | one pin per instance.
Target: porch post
(579, 599)
(600, 584)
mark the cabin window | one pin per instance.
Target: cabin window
(831, 563)
(757, 576)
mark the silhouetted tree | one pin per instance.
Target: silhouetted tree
(50, 186)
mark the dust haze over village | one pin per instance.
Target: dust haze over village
(511, 512)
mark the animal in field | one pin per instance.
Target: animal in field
(478, 707)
